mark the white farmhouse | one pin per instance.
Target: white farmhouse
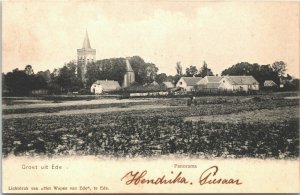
(239, 83)
(209, 79)
(101, 86)
(209, 82)
(188, 83)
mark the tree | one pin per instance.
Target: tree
(176, 78)
(178, 68)
(93, 73)
(28, 70)
(151, 72)
(21, 82)
(295, 83)
(115, 69)
(37, 82)
(191, 71)
(162, 77)
(259, 72)
(111, 69)
(68, 79)
(144, 72)
(46, 75)
(289, 77)
(205, 71)
(17, 82)
(279, 67)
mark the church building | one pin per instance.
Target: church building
(129, 76)
(85, 55)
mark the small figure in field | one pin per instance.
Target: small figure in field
(191, 101)
(194, 101)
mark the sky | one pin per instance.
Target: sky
(46, 34)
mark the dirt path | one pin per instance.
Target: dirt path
(87, 111)
(47, 104)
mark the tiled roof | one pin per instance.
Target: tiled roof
(168, 84)
(269, 83)
(154, 83)
(241, 80)
(191, 81)
(213, 79)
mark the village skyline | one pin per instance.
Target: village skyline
(98, 94)
(161, 33)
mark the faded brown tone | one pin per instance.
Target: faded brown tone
(46, 34)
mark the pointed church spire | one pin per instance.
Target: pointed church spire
(128, 66)
(86, 42)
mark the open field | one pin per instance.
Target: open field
(229, 127)
(267, 116)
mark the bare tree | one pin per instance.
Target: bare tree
(178, 68)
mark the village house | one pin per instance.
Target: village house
(270, 83)
(168, 84)
(239, 83)
(209, 82)
(209, 79)
(102, 86)
(188, 83)
(154, 83)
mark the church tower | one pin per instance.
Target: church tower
(85, 55)
(129, 76)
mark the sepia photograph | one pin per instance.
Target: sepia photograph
(119, 83)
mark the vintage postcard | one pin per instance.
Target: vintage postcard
(150, 96)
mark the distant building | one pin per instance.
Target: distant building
(101, 86)
(188, 83)
(209, 82)
(284, 81)
(154, 83)
(39, 92)
(210, 79)
(212, 86)
(168, 85)
(129, 76)
(85, 55)
(270, 83)
(239, 83)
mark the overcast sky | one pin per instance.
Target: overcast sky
(46, 34)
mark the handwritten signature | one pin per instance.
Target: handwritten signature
(209, 176)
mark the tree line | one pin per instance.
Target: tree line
(68, 78)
